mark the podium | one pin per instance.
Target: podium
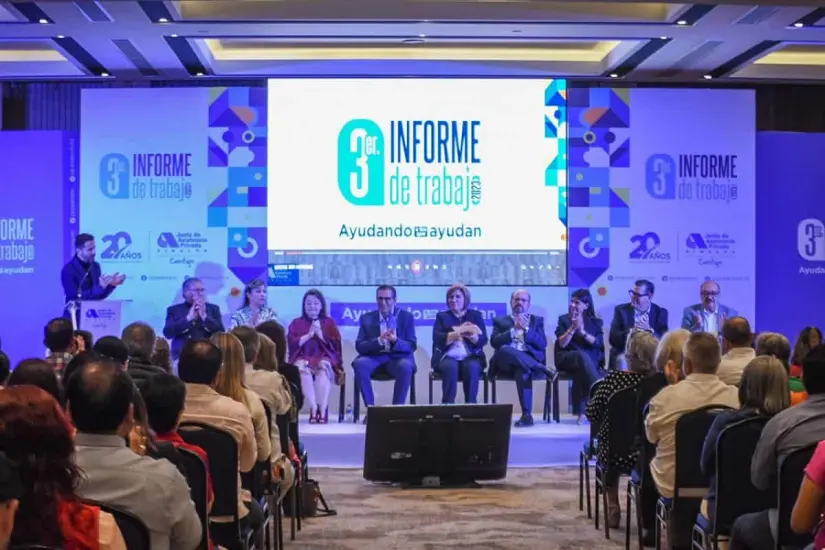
(100, 317)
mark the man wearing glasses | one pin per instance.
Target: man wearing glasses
(709, 315)
(640, 314)
(194, 319)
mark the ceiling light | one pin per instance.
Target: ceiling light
(60, 36)
(104, 74)
(199, 74)
(708, 77)
(163, 20)
(422, 36)
(174, 36)
(614, 75)
(43, 21)
(681, 22)
(663, 38)
(799, 24)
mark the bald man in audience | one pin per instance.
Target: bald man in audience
(700, 388)
(737, 340)
(99, 398)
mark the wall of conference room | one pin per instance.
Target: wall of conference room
(154, 286)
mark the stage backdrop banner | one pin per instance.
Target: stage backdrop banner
(661, 187)
(173, 186)
(38, 217)
(790, 232)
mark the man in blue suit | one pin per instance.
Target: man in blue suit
(194, 319)
(640, 314)
(82, 278)
(709, 315)
(521, 351)
(386, 340)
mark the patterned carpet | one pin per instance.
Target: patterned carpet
(532, 509)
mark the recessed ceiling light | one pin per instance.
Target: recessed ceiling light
(174, 35)
(799, 24)
(163, 20)
(708, 77)
(104, 74)
(681, 22)
(422, 36)
(43, 21)
(198, 74)
(61, 36)
(663, 38)
(614, 75)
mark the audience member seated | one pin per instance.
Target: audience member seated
(199, 367)
(386, 340)
(37, 372)
(254, 310)
(59, 339)
(810, 502)
(791, 429)
(773, 343)
(521, 351)
(11, 491)
(5, 368)
(74, 365)
(459, 337)
(808, 339)
(277, 334)
(270, 386)
(162, 356)
(113, 348)
(193, 319)
(700, 388)
(35, 434)
(763, 391)
(165, 397)
(83, 340)
(640, 314)
(314, 343)
(641, 352)
(139, 339)
(100, 396)
(579, 348)
(737, 341)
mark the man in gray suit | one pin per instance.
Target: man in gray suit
(709, 315)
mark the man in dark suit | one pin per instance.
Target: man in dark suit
(640, 314)
(82, 278)
(193, 319)
(386, 340)
(521, 351)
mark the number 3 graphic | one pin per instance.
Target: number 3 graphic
(359, 181)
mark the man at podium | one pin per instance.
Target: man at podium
(82, 278)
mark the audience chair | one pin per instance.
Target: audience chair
(639, 479)
(134, 531)
(196, 479)
(222, 450)
(538, 376)
(790, 475)
(587, 454)
(691, 484)
(378, 375)
(621, 439)
(435, 376)
(735, 493)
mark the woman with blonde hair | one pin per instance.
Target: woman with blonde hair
(763, 391)
(230, 383)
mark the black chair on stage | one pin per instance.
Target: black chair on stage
(548, 379)
(435, 376)
(378, 375)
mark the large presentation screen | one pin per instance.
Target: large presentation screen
(416, 181)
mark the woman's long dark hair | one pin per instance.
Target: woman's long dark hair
(808, 339)
(275, 331)
(583, 295)
(317, 293)
(37, 436)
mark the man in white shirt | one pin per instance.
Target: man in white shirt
(737, 340)
(709, 315)
(700, 388)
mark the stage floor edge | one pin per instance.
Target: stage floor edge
(544, 445)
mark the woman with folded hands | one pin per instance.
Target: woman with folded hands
(459, 336)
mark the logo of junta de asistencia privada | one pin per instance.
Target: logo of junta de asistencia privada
(430, 163)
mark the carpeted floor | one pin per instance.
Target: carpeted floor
(531, 509)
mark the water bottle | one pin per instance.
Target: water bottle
(348, 414)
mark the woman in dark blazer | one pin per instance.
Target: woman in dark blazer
(579, 348)
(459, 336)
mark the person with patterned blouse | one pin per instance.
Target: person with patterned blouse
(254, 310)
(640, 355)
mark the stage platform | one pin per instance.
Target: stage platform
(337, 445)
